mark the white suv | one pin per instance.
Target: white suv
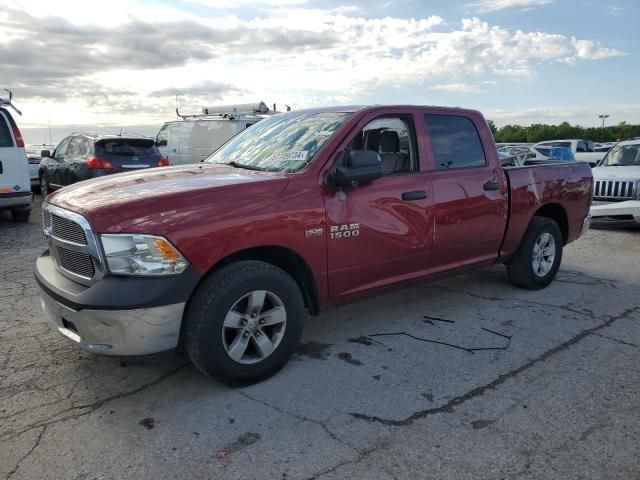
(616, 193)
(15, 184)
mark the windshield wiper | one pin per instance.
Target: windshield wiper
(246, 167)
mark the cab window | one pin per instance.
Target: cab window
(393, 138)
(163, 136)
(455, 141)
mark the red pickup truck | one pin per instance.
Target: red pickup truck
(301, 212)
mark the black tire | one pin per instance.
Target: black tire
(520, 267)
(209, 306)
(44, 186)
(21, 215)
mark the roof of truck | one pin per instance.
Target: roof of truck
(357, 108)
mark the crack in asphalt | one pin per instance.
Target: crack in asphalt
(82, 410)
(24, 457)
(586, 312)
(617, 340)
(298, 417)
(362, 454)
(449, 406)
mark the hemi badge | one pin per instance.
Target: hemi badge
(313, 232)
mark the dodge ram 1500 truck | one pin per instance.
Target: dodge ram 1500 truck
(304, 211)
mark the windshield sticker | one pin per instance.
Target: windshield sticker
(299, 156)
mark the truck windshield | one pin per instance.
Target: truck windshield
(283, 143)
(622, 156)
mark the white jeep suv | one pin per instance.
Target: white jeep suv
(15, 184)
(616, 194)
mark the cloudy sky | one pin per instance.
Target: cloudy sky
(122, 62)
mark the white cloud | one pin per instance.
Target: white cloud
(483, 6)
(615, 11)
(231, 4)
(297, 56)
(479, 87)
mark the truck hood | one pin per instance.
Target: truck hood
(631, 172)
(115, 202)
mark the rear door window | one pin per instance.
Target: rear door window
(74, 146)
(456, 142)
(6, 140)
(126, 147)
(83, 147)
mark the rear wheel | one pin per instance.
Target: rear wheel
(536, 263)
(21, 215)
(244, 322)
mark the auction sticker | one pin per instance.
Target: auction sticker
(298, 156)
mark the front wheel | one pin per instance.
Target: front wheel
(244, 322)
(44, 186)
(536, 263)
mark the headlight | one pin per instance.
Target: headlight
(131, 254)
(638, 190)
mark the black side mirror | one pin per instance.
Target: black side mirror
(45, 153)
(358, 166)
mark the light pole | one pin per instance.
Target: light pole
(603, 117)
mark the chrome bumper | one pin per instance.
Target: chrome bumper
(586, 223)
(117, 332)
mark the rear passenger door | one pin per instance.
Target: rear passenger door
(470, 194)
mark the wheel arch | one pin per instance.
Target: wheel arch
(284, 258)
(558, 214)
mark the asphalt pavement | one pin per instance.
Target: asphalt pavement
(469, 378)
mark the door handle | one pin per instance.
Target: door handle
(417, 195)
(491, 185)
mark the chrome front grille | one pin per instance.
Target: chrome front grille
(72, 244)
(65, 229)
(73, 262)
(614, 190)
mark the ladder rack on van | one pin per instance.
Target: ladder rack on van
(233, 112)
(7, 103)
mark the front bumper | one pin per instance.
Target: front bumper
(116, 332)
(115, 315)
(628, 210)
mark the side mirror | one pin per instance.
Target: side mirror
(358, 166)
(45, 153)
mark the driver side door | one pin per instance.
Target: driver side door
(380, 233)
(55, 165)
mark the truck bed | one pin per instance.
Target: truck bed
(566, 186)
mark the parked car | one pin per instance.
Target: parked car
(81, 156)
(308, 209)
(616, 195)
(604, 147)
(526, 155)
(33, 159)
(15, 188)
(194, 137)
(583, 150)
